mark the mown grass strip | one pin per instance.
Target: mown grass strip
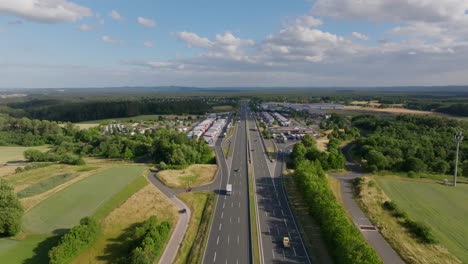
(46, 184)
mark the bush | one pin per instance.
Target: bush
(11, 210)
(389, 205)
(151, 238)
(421, 231)
(32, 167)
(73, 242)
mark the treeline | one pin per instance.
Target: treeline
(27, 132)
(343, 239)
(11, 210)
(34, 155)
(409, 143)
(165, 147)
(73, 242)
(94, 110)
(150, 239)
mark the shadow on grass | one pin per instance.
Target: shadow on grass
(118, 249)
(41, 250)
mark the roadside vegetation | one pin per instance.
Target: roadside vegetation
(202, 206)
(344, 241)
(192, 176)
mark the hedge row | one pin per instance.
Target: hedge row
(343, 239)
(419, 230)
(73, 242)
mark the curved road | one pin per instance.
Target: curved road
(375, 239)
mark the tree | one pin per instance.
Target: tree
(308, 141)
(377, 159)
(128, 155)
(415, 164)
(11, 210)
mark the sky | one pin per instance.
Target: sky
(216, 43)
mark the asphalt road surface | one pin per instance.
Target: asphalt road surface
(274, 215)
(375, 239)
(229, 237)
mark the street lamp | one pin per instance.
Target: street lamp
(458, 139)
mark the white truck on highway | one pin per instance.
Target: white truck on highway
(228, 189)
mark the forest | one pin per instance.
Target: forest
(409, 143)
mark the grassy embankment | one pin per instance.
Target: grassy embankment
(194, 175)
(202, 206)
(442, 208)
(116, 226)
(92, 195)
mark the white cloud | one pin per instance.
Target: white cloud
(148, 44)
(2, 30)
(101, 21)
(45, 11)
(85, 27)
(393, 10)
(108, 39)
(116, 16)
(193, 40)
(360, 36)
(146, 22)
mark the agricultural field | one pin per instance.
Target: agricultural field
(112, 243)
(63, 209)
(194, 175)
(396, 111)
(13, 154)
(223, 108)
(441, 207)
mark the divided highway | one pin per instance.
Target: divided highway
(229, 238)
(274, 216)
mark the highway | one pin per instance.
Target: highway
(229, 237)
(274, 216)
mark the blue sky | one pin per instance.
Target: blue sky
(83, 43)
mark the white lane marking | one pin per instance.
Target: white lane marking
(282, 212)
(289, 234)
(217, 241)
(226, 261)
(232, 204)
(272, 251)
(237, 261)
(237, 239)
(239, 204)
(222, 214)
(230, 220)
(220, 227)
(224, 204)
(238, 220)
(228, 239)
(286, 223)
(224, 197)
(266, 214)
(214, 258)
(294, 251)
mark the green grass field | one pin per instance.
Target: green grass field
(16, 153)
(65, 208)
(441, 207)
